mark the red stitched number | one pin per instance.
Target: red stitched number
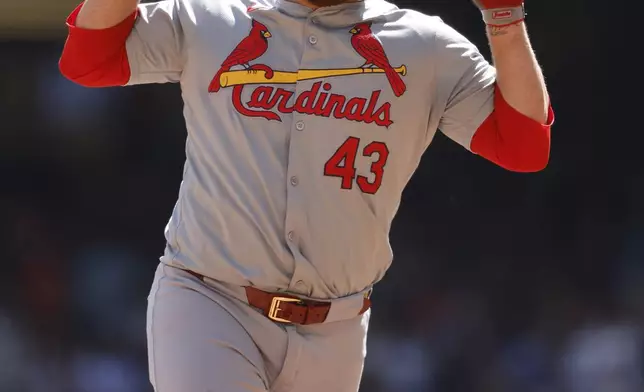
(342, 164)
(377, 167)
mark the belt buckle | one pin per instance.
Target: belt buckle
(275, 308)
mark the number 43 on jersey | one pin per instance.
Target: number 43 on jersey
(343, 164)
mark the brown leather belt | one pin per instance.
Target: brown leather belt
(285, 308)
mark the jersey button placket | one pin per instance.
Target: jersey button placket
(292, 205)
(295, 179)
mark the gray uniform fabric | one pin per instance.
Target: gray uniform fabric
(255, 206)
(202, 339)
(304, 127)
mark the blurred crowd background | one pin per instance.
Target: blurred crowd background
(501, 282)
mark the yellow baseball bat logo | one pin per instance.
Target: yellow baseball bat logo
(234, 78)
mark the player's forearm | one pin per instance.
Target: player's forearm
(101, 14)
(519, 76)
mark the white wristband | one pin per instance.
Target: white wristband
(503, 16)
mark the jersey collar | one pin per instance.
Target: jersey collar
(341, 15)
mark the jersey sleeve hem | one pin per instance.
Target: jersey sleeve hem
(513, 140)
(96, 57)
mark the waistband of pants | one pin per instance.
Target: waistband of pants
(342, 308)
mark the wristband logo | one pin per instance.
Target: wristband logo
(500, 15)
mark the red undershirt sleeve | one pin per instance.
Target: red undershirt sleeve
(513, 140)
(96, 58)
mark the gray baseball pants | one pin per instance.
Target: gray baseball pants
(204, 337)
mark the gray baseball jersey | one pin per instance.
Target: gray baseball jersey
(303, 129)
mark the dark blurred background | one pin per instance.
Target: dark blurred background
(501, 282)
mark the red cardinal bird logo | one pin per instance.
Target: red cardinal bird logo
(368, 46)
(249, 49)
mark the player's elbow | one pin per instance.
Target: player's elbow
(525, 144)
(108, 72)
(96, 58)
(518, 145)
(528, 158)
(521, 143)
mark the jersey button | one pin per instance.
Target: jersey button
(290, 236)
(294, 181)
(313, 40)
(300, 125)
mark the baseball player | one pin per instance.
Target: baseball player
(305, 120)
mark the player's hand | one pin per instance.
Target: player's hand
(496, 4)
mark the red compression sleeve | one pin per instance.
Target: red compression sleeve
(513, 140)
(96, 58)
